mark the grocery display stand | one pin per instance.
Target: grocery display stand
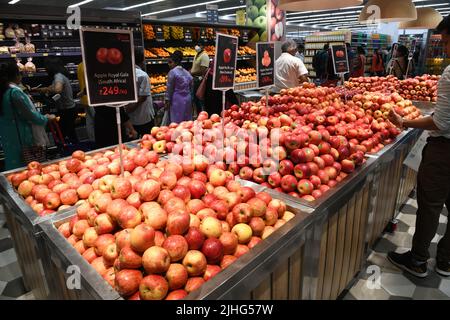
(23, 224)
(314, 256)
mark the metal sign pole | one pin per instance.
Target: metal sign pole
(267, 97)
(119, 134)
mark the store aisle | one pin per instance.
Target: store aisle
(394, 283)
(11, 283)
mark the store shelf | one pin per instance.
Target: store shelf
(188, 60)
(35, 55)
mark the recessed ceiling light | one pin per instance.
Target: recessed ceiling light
(13, 1)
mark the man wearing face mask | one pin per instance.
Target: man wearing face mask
(199, 67)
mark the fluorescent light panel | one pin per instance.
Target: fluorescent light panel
(142, 4)
(80, 3)
(13, 1)
(182, 7)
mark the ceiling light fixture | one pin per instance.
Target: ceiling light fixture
(183, 7)
(376, 11)
(305, 5)
(13, 1)
(80, 3)
(142, 4)
(427, 18)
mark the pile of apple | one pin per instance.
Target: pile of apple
(321, 139)
(163, 139)
(162, 232)
(423, 88)
(58, 186)
(386, 84)
(420, 88)
(379, 106)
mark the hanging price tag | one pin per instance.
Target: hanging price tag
(187, 35)
(159, 34)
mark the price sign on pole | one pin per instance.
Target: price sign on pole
(265, 64)
(225, 62)
(340, 59)
(109, 70)
(108, 57)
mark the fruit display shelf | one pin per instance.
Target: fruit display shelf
(23, 225)
(93, 286)
(45, 54)
(326, 246)
(313, 256)
(190, 59)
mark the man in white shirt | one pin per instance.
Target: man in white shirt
(290, 72)
(142, 113)
(433, 179)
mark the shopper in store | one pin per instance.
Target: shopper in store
(360, 63)
(214, 98)
(301, 52)
(290, 72)
(106, 127)
(179, 88)
(377, 68)
(320, 62)
(351, 58)
(141, 114)
(17, 117)
(198, 71)
(433, 179)
(62, 94)
(399, 63)
(90, 112)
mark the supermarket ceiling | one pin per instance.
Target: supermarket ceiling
(194, 10)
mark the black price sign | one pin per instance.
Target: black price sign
(265, 64)
(203, 36)
(245, 36)
(159, 34)
(187, 35)
(108, 57)
(340, 59)
(225, 62)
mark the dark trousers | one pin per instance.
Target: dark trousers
(433, 191)
(67, 124)
(144, 128)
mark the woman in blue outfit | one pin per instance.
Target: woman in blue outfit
(17, 115)
(179, 89)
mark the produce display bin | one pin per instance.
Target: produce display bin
(22, 223)
(257, 275)
(60, 256)
(314, 256)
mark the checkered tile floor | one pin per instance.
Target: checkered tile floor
(11, 283)
(395, 284)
